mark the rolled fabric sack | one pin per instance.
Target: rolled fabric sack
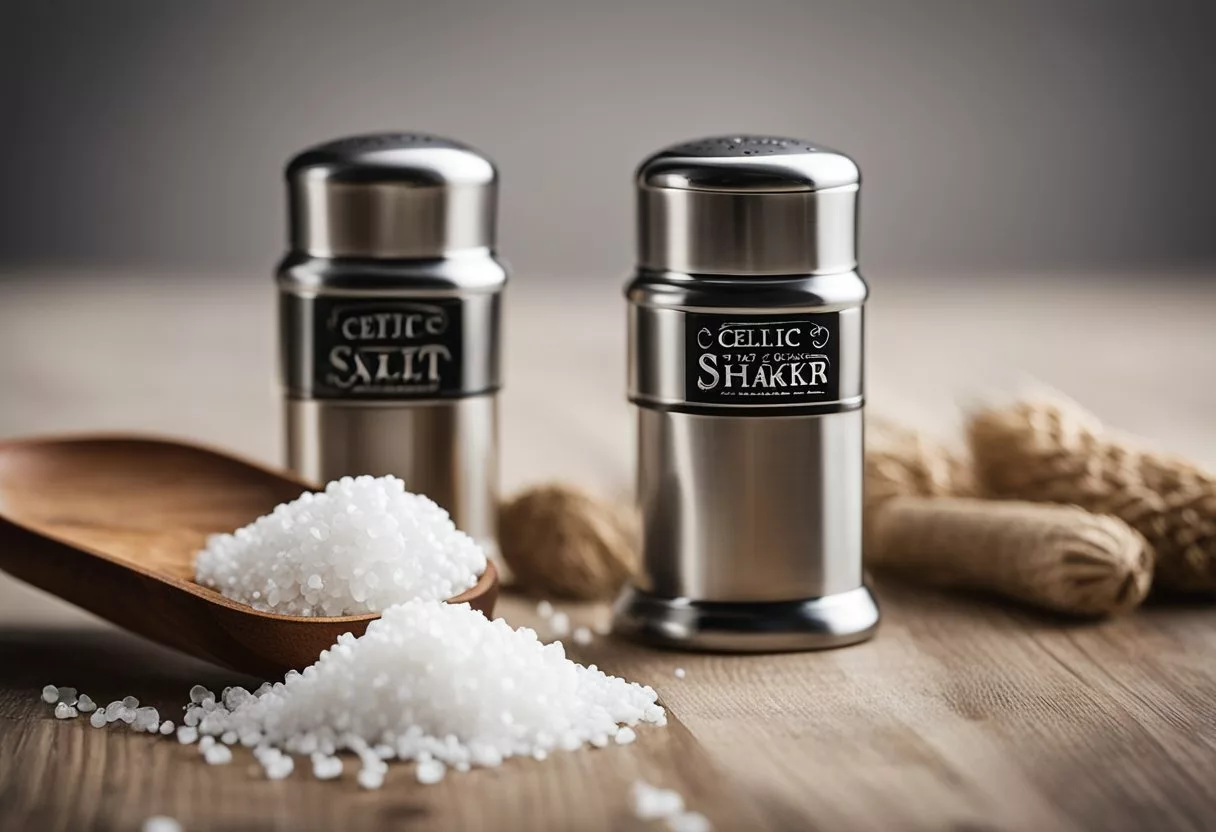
(1051, 449)
(1059, 558)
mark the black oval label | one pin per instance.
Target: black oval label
(386, 349)
(761, 360)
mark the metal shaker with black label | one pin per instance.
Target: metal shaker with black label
(746, 367)
(389, 318)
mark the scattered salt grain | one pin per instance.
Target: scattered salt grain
(200, 694)
(205, 743)
(166, 727)
(50, 694)
(85, 704)
(187, 734)
(581, 635)
(371, 776)
(360, 546)
(653, 803)
(113, 710)
(98, 719)
(544, 609)
(218, 755)
(146, 719)
(625, 736)
(326, 768)
(279, 768)
(679, 673)
(559, 624)
(67, 696)
(65, 711)
(430, 772)
(161, 823)
(130, 702)
(689, 822)
(229, 738)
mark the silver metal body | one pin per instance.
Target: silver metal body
(746, 363)
(390, 318)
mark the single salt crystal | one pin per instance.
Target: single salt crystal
(67, 696)
(166, 727)
(582, 635)
(199, 694)
(206, 742)
(653, 803)
(229, 737)
(50, 694)
(147, 719)
(98, 718)
(325, 767)
(679, 672)
(114, 710)
(218, 755)
(559, 623)
(370, 778)
(233, 697)
(430, 772)
(625, 735)
(362, 545)
(161, 823)
(187, 734)
(544, 609)
(126, 715)
(276, 764)
(689, 822)
(130, 702)
(85, 705)
(65, 711)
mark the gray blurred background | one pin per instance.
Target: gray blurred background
(993, 136)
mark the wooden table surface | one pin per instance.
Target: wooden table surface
(963, 714)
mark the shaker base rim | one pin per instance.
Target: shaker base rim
(747, 627)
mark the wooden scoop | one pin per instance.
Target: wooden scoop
(112, 525)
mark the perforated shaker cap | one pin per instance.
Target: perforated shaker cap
(391, 196)
(748, 205)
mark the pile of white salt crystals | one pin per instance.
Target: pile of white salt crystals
(435, 683)
(361, 545)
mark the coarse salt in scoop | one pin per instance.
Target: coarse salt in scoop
(360, 546)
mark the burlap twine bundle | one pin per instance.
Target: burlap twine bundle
(1051, 449)
(1049, 509)
(925, 523)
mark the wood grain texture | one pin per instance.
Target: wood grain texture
(66, 775)
(963, 714)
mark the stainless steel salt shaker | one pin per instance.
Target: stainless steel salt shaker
(746, 366)
(389, 318)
